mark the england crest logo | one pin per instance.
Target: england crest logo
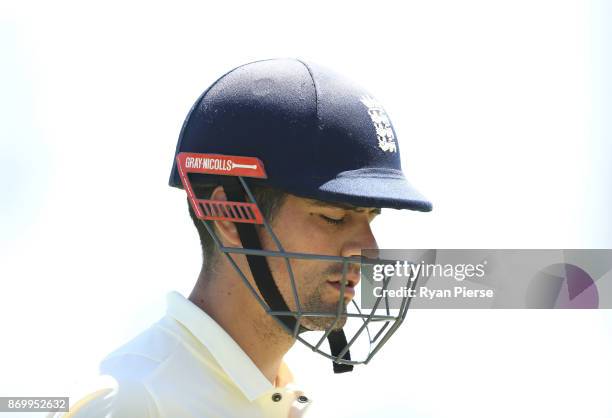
(382, 124)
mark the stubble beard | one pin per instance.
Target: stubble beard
(315, 303)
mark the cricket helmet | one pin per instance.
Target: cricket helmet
(310, 132)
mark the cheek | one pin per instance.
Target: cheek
(308, 274)
(309, 234)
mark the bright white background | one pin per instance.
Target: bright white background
(500, 111)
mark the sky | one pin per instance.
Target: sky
(501, 111)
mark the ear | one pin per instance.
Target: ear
(226, 230)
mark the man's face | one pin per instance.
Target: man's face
(311, 226)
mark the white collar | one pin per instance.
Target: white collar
(228, 354)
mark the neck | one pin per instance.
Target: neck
(234, 308)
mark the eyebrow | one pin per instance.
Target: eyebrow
(345, 206)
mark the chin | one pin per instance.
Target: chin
(322, 324)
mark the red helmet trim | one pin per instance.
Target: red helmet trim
(225, 165)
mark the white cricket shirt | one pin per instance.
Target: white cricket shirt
(187, 366)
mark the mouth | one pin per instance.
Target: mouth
(349, 289)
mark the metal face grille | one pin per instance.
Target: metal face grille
(373, 326)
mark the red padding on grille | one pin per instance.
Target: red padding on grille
(218, 210)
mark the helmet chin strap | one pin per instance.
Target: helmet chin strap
(265, 282)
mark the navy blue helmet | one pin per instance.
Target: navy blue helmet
(318, 134)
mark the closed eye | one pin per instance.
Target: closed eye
(332, 221)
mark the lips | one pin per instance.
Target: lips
(351, 281)
(349, 291)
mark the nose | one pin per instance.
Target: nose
(361, 239)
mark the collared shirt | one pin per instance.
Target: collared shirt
(187, 366)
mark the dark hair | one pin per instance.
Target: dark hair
(269, 201)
